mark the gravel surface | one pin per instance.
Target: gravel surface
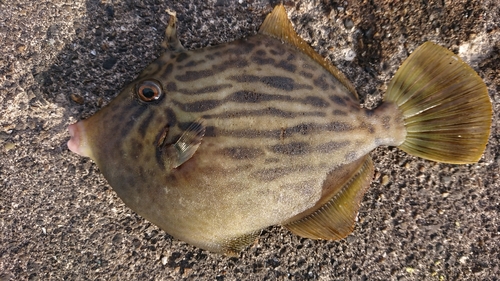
(62, 60)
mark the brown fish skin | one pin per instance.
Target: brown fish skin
(276, 125)
(272, 137)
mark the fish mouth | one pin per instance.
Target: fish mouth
(78, 143)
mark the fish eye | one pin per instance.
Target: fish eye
(149, 90)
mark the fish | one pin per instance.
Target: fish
(214, 145)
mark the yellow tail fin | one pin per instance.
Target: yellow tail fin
(445, 105)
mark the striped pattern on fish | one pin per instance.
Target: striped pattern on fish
(240, 105)
(215, 144)
(267, 123)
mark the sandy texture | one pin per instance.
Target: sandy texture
(62, 60)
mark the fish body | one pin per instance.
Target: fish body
(215, 144)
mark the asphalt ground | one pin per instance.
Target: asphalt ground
(62, 60)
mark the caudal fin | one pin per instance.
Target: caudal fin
(445, 106)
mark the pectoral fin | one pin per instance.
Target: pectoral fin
(334, 215)
(185, 147)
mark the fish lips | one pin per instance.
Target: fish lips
(78, 143)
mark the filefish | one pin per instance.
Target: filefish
(215, 144)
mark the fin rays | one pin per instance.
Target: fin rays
(185, 147)
(335, 219)
(445, 105)
(278, 25)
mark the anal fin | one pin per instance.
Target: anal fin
(334, 215)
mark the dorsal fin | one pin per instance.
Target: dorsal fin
(171, 41)
(279, 26)
(334, 215)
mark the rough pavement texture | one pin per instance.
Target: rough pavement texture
(62, 60)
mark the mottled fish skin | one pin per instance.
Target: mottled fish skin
(277, 124)
(213, 145)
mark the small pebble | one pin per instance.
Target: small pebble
(9, 146)
(463, 259)
(164, 260)
(348, 23)
(349, 55)
(410, 270)
(385, 180)
(21, 48)
(76, 98)
(446, 180)
(109, 63)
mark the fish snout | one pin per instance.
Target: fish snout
(78, 142)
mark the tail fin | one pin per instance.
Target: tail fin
(445, 106)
